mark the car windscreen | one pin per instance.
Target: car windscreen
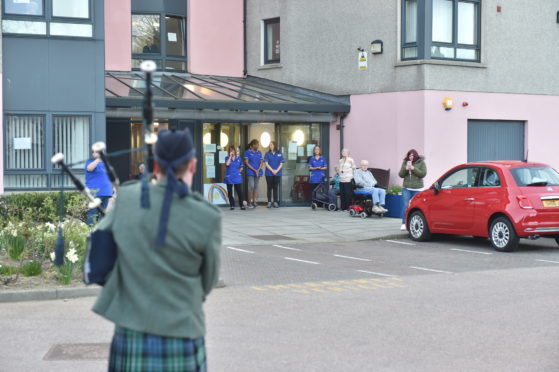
(535, 176)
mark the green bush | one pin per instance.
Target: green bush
(394, 190)
(32, 268)
(8, 270)
(40, 207)
(16, 246)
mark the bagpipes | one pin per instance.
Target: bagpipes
(101, 248)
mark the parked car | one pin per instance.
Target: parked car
(500, 200)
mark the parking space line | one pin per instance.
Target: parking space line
(239, 250)
(374, 273)
(427, 269)
(352, 258)
(465, 250)
(284, 247)
(557, 262)
(398, 242)
(304, 261)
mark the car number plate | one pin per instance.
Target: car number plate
(551, 203)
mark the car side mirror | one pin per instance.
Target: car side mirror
(436, 188)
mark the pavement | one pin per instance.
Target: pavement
(289, 225)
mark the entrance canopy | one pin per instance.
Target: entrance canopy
(203, 97)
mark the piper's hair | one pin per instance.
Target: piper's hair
(180, 170)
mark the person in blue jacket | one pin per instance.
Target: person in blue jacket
(274, 162)
(254, 165)
(97, 180)
(317, 166)
(233, 177)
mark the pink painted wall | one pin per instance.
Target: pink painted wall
(383, 127)
(215, 37)
(1, 138)
(118, 35)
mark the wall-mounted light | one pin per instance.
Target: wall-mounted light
(299, 137)
(448, 103)
(376, 47)
(207, 139)
(265, 139)
(224, 139)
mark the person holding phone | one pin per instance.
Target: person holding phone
(413, 170)
(233, 177)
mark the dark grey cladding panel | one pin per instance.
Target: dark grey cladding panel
(53, 75)
(176, 7)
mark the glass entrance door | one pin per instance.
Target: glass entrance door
(264, 133)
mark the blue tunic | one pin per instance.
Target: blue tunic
(98, 180)
(233, 171)
(254, 159)
(317, 175)
(274, 160)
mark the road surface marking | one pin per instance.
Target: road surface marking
(398, 242)
(296, 259)
(239, 250)
(374, 273)
(284, 247)
(433, 270)
(465, 250)
(352, 258)
(557, 262)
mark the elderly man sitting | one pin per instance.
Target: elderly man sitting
(364, 178)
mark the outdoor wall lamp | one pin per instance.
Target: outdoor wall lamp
(376, 47)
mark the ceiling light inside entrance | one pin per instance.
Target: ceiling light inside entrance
(299, 137)
(265, 139)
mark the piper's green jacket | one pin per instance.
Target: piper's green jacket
(161, 291)
(415, 179)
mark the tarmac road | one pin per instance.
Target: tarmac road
(452, 304)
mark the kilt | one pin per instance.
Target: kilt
(133, 351)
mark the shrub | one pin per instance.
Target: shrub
(40, 207)
(32, 268)
(8, 270)
(394, 190)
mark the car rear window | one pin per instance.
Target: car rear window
(535, 176)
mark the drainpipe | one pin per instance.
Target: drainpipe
(245, 37)
(341, 117)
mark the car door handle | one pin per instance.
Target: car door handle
(469, 199)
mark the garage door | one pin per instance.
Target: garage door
(495, 140)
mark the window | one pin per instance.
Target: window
(25, 142)
(71, 137)
(272, 41)
(489, 178)
(165, 43)
(69, 18)
(453, 32)
(461, 178)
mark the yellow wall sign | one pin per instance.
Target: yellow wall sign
(362, 60)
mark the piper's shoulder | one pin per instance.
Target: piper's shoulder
(203, 204)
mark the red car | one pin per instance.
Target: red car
(500, 200)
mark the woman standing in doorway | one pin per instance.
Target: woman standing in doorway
(317, 166)
(253, 162)
(347, 167)
(413, 170)
(274, 163)
(233, 177)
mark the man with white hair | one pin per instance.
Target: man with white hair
(364, 178)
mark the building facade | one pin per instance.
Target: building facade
(495, 61)
(369, 75)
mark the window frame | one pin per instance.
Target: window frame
(265, 59)
(47, 18)
(162, 57)
(482, 171)
(424, 38)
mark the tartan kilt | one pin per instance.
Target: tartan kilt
(133, 351)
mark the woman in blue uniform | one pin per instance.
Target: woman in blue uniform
(254, 164)
(274, 162)
(233, 178)
(317, 166)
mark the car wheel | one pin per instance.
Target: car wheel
(502, 235)
(417, 227)
(351, 212)
(331, 207)
(364, 215)
(314, 206)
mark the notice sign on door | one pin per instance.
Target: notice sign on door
(22, 143)
(362, 61)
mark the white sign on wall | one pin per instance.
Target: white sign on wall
(362, 60)
(22, 143)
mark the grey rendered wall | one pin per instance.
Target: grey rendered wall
(319, 40)
(57, 75)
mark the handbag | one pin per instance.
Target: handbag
(100, 257)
